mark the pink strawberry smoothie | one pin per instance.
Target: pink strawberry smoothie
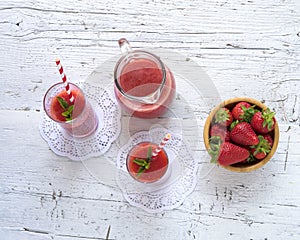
(82, 120)
(158, 164)
(142, 77)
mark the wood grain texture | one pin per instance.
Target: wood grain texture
(248, 48)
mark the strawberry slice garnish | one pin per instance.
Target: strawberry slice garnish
(243, 134)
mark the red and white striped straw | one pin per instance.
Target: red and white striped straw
(161, 145)
(64, 79)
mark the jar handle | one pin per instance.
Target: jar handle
(124, 46)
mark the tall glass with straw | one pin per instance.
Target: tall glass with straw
(66, 104)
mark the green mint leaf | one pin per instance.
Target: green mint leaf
(149, 153)
(143, 163)
(147, 165)
(70, 109)
(63, 103)
(140, 171)
(66, 114)
(140, 162)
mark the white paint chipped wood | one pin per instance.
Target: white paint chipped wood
(248, 48)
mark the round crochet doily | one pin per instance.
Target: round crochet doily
(109, 126)
(167, 193)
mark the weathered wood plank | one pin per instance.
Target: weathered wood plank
(52, 196)
(248, 48)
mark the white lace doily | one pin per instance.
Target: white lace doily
(109, 127)
(167, 194)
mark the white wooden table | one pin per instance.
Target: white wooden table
(248, 48)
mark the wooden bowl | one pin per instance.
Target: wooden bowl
(242, 167)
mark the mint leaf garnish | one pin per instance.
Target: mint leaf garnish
(140, 171)
(140, 162)
(68, 108)
(63, 103)
(149, 153)
(65, 114)
(144, 163)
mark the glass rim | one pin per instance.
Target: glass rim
(136, 179)
(55, 85)
(132, 97)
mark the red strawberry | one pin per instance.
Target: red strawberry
(264, 121)
(243, 111)
(227, 136)
(269, 139)
(221, 131)
(230, 153)
(217, 130)
(223, 117)
(243, 134)
(237, 111)
(261, 150)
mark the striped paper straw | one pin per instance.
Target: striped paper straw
(161, 145)
(64, 79)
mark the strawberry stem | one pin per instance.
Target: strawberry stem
(263, 146)
(222, 115)
(248, 113)
(215, 143)
(268, 115)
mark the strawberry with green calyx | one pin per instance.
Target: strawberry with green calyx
(264, 121)
(227, 153)
(214, 144)
(261, 150)
(221, 131)
(223, 117)
(227, 136)
(243, 134)
(68, 108)
(243, 111)
(237, 110)
(269, 139)
(250, 159)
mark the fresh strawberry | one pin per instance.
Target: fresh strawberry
(227, 136)
(237, 111)
(223, 117)
(264, 121)
(269, 139)
(261, 150)
(243, 111)
(243, 134)
(228, 153)
(221, 131)
(217, 130)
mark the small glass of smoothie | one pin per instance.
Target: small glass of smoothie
(144, 167)
(144, 85)
(78, 118)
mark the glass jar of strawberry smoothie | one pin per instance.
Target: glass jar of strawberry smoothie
(144, 85)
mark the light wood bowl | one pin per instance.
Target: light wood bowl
(242, 167)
